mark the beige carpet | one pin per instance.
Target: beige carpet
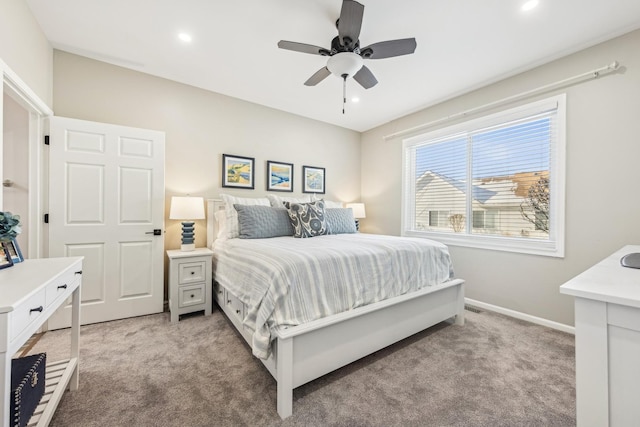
(494, 371)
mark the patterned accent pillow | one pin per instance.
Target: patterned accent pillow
(261, 222)
(308, 219)
(341, 220)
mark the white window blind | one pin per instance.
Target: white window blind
(496, 182)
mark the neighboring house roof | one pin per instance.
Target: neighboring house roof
(480, 194)
(491, 192)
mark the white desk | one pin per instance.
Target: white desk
(30, 292)
(607, 327)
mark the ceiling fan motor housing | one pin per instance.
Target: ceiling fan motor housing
(342, 63)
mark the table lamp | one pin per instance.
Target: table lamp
(187, 209)
(358, 212)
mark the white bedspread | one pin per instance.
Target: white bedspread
(286, 281)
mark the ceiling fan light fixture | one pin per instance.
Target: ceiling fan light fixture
(342, 63)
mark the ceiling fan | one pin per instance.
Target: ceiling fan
(346, 57)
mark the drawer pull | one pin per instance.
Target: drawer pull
(193, 272)
(79, 272)
(62, 287)
(237, 311)
(39, 309)
(228, 301)
(192, 295)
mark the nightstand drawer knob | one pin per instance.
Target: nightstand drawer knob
(193, 272)
(193, 295)
(237, 311)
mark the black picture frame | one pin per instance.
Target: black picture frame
(14, 251)
(313, 179)
(5, 258)
(238, 171)
(279, 176)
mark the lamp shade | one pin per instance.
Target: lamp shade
(358, 210)
(187, 208)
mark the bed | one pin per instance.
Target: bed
(255, 288)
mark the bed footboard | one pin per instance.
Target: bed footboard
(309, 351)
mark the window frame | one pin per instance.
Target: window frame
(554, 245)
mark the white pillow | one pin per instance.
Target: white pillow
(231, 214)
(221, 220)
(276, 201)
(332, 205)
(327, 203)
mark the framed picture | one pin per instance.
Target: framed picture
(237, 171)
(312, 179)
(5, 258)
(14, 251)
(279, 176)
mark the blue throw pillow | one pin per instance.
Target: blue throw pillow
(261, 222)
(341, 220)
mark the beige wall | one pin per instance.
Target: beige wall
(602, 202)
(25, 49)
(200, 126)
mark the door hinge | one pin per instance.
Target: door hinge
(46, 140)
(46, 218)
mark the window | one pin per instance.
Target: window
(496, 182)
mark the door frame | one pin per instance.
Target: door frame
(38, 111)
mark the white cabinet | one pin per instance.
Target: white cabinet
(30, 292)
(607, 327)
(189, 282)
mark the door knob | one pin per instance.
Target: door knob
(155, 232)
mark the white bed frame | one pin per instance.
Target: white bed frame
(303, 353)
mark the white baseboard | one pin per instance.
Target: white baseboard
(522, 316)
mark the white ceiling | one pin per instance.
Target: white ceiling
(462, 45)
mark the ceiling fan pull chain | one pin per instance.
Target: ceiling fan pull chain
(344, 91)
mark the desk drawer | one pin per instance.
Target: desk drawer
(61, 287)
(27, 313)
(192, 272)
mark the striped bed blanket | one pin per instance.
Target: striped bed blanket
(284, 281)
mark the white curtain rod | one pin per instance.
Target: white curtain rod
(589, 75)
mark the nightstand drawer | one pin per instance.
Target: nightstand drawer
(27, 313)
(191, 295)
(192, 272)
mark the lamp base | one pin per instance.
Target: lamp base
(188, 237)
(188, 247)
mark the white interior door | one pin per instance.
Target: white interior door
(106, 198)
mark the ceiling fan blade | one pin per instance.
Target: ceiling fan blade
(389, 48)
(301, 47)
(365, 77)
(350, 22)
(318, 76)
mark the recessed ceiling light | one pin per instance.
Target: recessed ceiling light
(531, 4)
(184, 37)
(355, 99)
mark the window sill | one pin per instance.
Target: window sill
(511, 244)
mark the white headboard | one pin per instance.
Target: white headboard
(213, 206)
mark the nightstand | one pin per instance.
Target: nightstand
(189, 282)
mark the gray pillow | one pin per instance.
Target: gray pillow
(308, 219)
(261, 222)
(341, 220)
